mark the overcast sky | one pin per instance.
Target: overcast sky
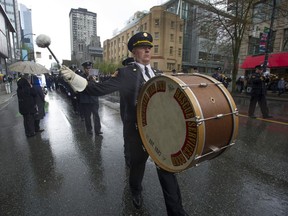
(51, 17)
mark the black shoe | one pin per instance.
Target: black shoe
(40, 130)
(98, 133)
(31, 135)
(268, 116)
(252, 116)
(137, 201)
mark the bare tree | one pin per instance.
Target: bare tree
(233, 18)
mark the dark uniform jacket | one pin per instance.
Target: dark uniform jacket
(26, 97)
(39, 99)
(128, 82)
(86, 98)
(258, 84)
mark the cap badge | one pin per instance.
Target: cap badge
(145, 34)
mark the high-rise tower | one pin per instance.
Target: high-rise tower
(83, 27)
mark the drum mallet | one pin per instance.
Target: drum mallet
(44, 41)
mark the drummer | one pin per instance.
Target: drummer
(128, 81)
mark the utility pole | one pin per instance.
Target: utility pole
(269, 37)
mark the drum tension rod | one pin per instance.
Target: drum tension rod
(214, 149)
(203, 85)
(184, 86)
(198, 120)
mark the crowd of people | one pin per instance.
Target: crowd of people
(272, 82)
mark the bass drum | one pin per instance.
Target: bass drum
(184, 120)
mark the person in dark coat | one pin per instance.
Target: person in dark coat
(89, 104)
(128, 82)
(40, 102)
(27, 104)
(217, 74)
(258, 93)
(125, 62)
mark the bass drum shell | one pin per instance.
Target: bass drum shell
(186, 119)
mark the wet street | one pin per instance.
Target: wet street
(66, 172)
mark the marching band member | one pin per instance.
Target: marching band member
(128, 81)
(258, 93)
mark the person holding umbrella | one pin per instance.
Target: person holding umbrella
(27, 105)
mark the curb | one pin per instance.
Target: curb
(268, 97)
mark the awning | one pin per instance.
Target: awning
(275, 60)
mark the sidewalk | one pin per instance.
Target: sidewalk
(4, 97)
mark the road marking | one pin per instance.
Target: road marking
(268, 120)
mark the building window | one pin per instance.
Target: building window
(179, 52)
(171, 37)
(170, 66)
(156, 35)
(180, 40)
(141, 28)
(38, 54)
(253, 45)
(171, 51)
(261, 12)
(285, 40)
(172, 24)
(181, 28)
(155, 65)
(156, 49)
(145, 26)
(157, 22)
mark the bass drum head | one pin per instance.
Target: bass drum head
(166, 121)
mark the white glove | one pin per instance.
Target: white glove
(77, 82)
(67, 73)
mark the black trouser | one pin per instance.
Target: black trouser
(126, 148)
(281, 91)
(29, 124)
(88, 109)
(261, 99)
(168, 180)
(37, 125)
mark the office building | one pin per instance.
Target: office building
(10, 7)
(198, 43)
(167, 31)
(7, 31)
(26, 41)
(85, 44)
